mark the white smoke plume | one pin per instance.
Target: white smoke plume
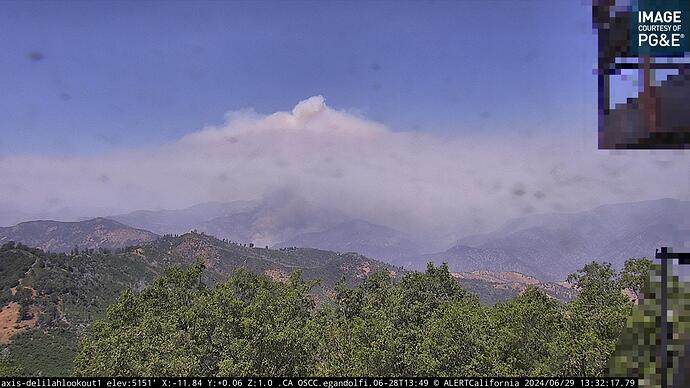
(419, 183)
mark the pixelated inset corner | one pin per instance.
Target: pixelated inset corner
(658, 115)
(643, 353)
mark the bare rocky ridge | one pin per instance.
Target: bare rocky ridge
(512, 283)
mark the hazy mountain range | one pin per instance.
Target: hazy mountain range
(378, 241)
(547, 246)
(55, 236)
(552, 245)
(281, 221)
(273, 219)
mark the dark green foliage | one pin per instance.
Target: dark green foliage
(635, 274)
(70, 292)
(15, 263)
(248, 325)
(85, 284)
(488, 294)
(23, 296)
(457, 341)
(522, 330)
(73, 290)
(9, 369)
(422, 324)
(361, 319)
(43, 352)
(592, 323)
(6, 297)
(638, 351)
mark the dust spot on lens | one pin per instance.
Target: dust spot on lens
(35, 56)
(519, 191)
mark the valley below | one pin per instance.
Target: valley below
(58, 277)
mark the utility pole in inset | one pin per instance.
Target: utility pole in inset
(666, 327)
(663, 345)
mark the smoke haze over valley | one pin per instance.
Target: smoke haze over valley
(319, 163)
(338, 188)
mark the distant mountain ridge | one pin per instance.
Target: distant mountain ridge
(363, 237)
(546, 246)
(493, 287)
(57, 236)
(282, 220)
(222, 258)
(180, 221)
(276, 217)
(551, 246)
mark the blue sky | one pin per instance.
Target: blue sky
(91, 90)
(91, 77)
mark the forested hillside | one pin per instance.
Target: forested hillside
(423, 324)
(48, 299)
(193, 304)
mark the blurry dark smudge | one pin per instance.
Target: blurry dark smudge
(663, 163)
(281, 163)
(197, 49)
(116, 109)
(557, 207)
(529, 56)
(539, 195)
(453, 98)
(612, 171)
(107, 138)
(65, 96)
(53, 201)
(35, 56)
(375, 67)
(195, 73)
(17, 189)
(231, 139)
(519, 191)
(103, 178)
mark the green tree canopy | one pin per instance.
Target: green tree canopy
(420, 324)
(248, 325)
(638, 353)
